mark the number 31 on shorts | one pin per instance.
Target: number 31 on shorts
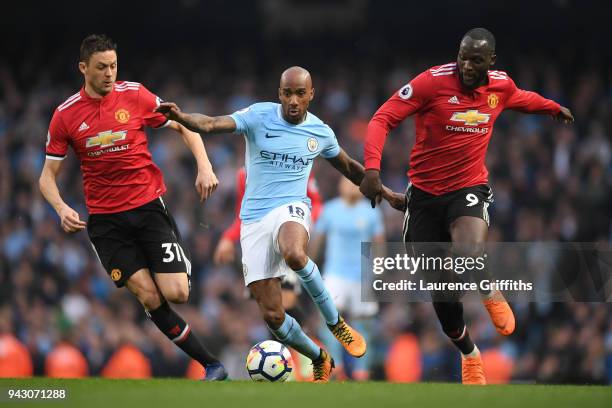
(170, 249)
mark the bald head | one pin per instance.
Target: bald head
(295, 93)
(296, 76)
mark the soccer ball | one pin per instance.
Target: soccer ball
(269, 360)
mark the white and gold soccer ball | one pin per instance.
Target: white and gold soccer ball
(269, 360)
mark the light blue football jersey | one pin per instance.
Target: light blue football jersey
(279, 157)
(345, 228)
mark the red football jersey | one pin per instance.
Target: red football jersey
(233, 231)
(107, 135)
(453, 125)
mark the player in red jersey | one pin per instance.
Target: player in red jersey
(455, 105)
(130, 228)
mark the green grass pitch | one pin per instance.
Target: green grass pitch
(186, 393)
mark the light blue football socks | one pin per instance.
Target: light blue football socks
(313, 283)
(291, 334)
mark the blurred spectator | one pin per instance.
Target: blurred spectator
(66, 361)
(404, 360)
(498, 365)
(127, 362)
(15, 359)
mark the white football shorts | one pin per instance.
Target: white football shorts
(261, 257)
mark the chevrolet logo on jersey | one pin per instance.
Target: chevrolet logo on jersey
(106, 138)
(471, 117)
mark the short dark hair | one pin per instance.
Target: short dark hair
(95, 43)
(482, 34)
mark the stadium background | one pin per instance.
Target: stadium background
(551, 182)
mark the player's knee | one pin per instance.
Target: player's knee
(141, 285)
(176, 294)
(149, 298)
(469, 248)
(453, 332)
(295, 257)
(179, 297)
(274, 317)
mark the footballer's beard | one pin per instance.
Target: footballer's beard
(104, 87)
(477, 80)
(296, 114)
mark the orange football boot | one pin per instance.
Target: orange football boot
(472, 371)
(500, 312)
(351, 340)
(322, 367)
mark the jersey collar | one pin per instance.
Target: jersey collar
(88, 98)
(481, 89)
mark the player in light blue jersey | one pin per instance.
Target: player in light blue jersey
(344, 224)
(282, 141)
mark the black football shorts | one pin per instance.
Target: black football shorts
(428, 217)
(143, 237)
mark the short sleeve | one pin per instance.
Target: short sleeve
(245, 120)
(57, 139)
(333, 148)
(148, 102)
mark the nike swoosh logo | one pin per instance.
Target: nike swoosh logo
(269, 136)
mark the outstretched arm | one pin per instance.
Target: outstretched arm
(196, 121)
(373, 188)
(354, 171)
(349, 167)
(532, 102)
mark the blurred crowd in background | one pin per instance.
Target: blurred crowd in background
(551, 183)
